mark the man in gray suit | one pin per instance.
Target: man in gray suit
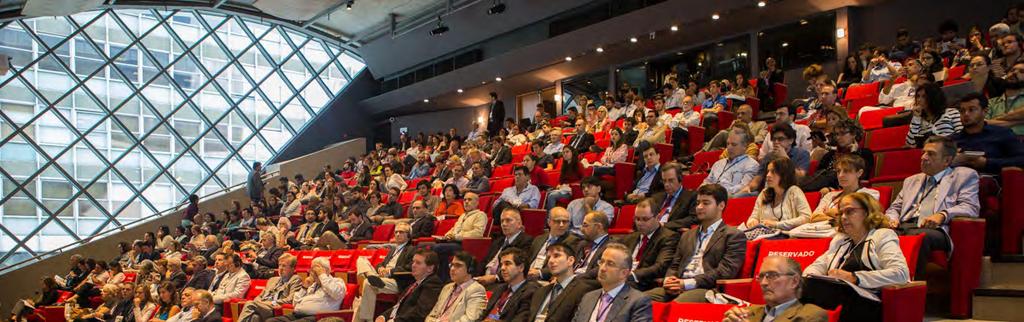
(615, 301)
(713, 251)
(279, 291)
(595, 232)
(931, 199)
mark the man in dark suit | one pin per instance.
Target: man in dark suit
(704, 255)
(557, 301)
(629, 132)
(513, 237)
(422, 222)
(558, 232)
(502, 153)
(420, 294)
(381, 279)
(581, 140)
(676, 205)
(648, 178)
(596, 238)
(627, 303)
(510, 301)
(360, 228)
(202, 277)
(266, 259)
(496, 115)
(174, 273)
(652, 248)
(205, 310)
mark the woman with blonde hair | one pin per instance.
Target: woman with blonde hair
(865, 253)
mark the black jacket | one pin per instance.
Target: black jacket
(517, 307)
(581, 142)
(523, 242)
(538, 242)
(269, 259)
(423, 227)
(416, 306)
(683, 214)
(202, 279)
(363, 231)
(404, 263)
(212, 317)
(562, 307)
(656, 257)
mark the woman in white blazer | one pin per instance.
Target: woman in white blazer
(462, 300)
(864, 253)
(781, 204)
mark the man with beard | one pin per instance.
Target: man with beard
(987, 148)
(1006, 110)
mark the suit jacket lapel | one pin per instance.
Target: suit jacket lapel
(617, 303)
(790, 312)
(912, 191)
(718, 235)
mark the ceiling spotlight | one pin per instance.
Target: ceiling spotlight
(675, 28)
(632, 39)
(785, 44)
(568, 58)
(426, 100)
(497, 79)
(762, 4)
(600, 50)
(440, 29)
(496, 9)
(715, 16)
(348, 6)
(803, 21)
(459, 90)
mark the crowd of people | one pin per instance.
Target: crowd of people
(679, 247)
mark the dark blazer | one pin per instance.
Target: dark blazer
(523, 242)
(630, 136)
(656, 257)
(269, 259)
(404, 263)
(392, 208)
(629, 305)
(564, 305)
(517, 307)
(496, 117)
(330, 226)
(581, 254)
(201, 280)
(538, 243)
(362, 232)
(418, 304)
(422, 227)
(683, 214)
(125, 310)
(212, 317)
(177, 279)
(796, 312)
(504, 155)
(723, 256)
(656, 184)
(581, 142)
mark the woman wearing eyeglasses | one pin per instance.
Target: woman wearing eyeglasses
(863, 253)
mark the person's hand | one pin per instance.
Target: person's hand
(306, 283)
(832, 213)
(752, 222)
(843, 275)
(672, 284)
(137, 301)
(917, 110)
(764, 74)
(383, 271)
(380, 319)
(534, 273)
(736, 314)
(933, 221)
(195, 315)
(825, 190)
(590, 201)
(487, 279)
(779, 152)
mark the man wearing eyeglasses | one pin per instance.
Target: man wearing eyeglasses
(781, 285)
(378, 279)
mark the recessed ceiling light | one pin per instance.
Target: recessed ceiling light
(497, 79)
(785, 44)
(600, 50)
(675, 28)
(803, 21)
(632, 39)
(459, 90)
(762, 4)
(426, 100)
(715, 16)
(568, 58)
(679, 53)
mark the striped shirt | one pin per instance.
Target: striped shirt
(947, 125)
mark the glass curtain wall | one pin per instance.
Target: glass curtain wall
(110, 116)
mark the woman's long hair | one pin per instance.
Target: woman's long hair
(785, 169)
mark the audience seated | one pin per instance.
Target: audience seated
(931, 117)
(419, 294)
(864, 253)
(380, 279)
(931, 199)
(736, 171)
(782, 286)
(463, 299)
(450, 204)
(522, 194)
(511, 300)
(648, 178)
(1006, 110)
(320, 292)
(595, 239)
(231, 280)
(985, 148)
(849, 168)
(558, 300)
(278, 291)
(710, 252)
(781, 205)
(422, 223)
(596, 305)
(590, 202)
(846, 133)
(652, 248)
(676, 210)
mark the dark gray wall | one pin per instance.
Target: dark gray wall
(878, 23)
(342, 120)
(461, 119)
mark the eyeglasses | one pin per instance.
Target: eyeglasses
(771, 276)
(401, 232)
(560, 221)
(850, 211)
(778, 138)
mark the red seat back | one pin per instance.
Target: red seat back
(695, 136)
(501, 171)
(383, 232)
(901, 163)
(533, 221)
(804, 251)
(871, 120)
(884, 196)
(659, 311)
(725, 119)
(702, 161)
(664, 151)
(406, 197)
(813, 198)
(551, 178)
(750, 258)
(697, 312)
(956, 72)
(477, 246)
(737, 210)
(255, 288)
(693, 181)
(521, 149)
(498, 185)
(891, 138)
(779, 92)
(442, 227)
(623, 221)
(911, 247)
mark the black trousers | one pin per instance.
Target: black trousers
(829, 295)
(934, 239)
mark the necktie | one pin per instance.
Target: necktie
(394, 311)
(602, 308)
(586, 256)
(498, 307)
(445, 312)
(643, 247)
(217, 282)
(666, 207)
(554, 294)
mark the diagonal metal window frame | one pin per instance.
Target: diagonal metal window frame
(47, 52)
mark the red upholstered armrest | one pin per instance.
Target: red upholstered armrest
(345, 315)
(624, 172)
(968, 235)
(53, 313)
(904, 302)
(740, 287)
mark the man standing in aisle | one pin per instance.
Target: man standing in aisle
(497, 115)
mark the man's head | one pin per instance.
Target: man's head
(186, 297)
(711, 200)
(783, 136)
(424, 262)
(615, 266)
(511, 221)
(402, 231)
(644, 218)
(672, 177)
(591, 187)
(745, 113)
(652, 118)
(779, 279)
(462, 266)
(522, 176)
(558, 221)
(937, 155)
(418, 209)
(220, 262)
(784, 114)
(595, 225)
(470, 201)
(714, 87)
(561, 259)
(736, 143)
(478, 169)
(286, 264)
(513, 264)
(494, 96)
(423, 188)
(1011, 44)
(973, 109)
(827, 94)
(651, 156)
(354, 218)
(202, 300)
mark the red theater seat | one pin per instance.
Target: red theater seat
(498, 185)
(502, 171)
(779, 93)
(702, 161)
(872, 120)
(693, 181)
(894, 166)
(886, 139)
(477, 246)
(737, 210)
(623, 224)
(664, 151)
(804, 251)
(697, 312)
(695, 136)
(534, 221)
(1013, 211)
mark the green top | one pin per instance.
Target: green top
(1000, 105)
